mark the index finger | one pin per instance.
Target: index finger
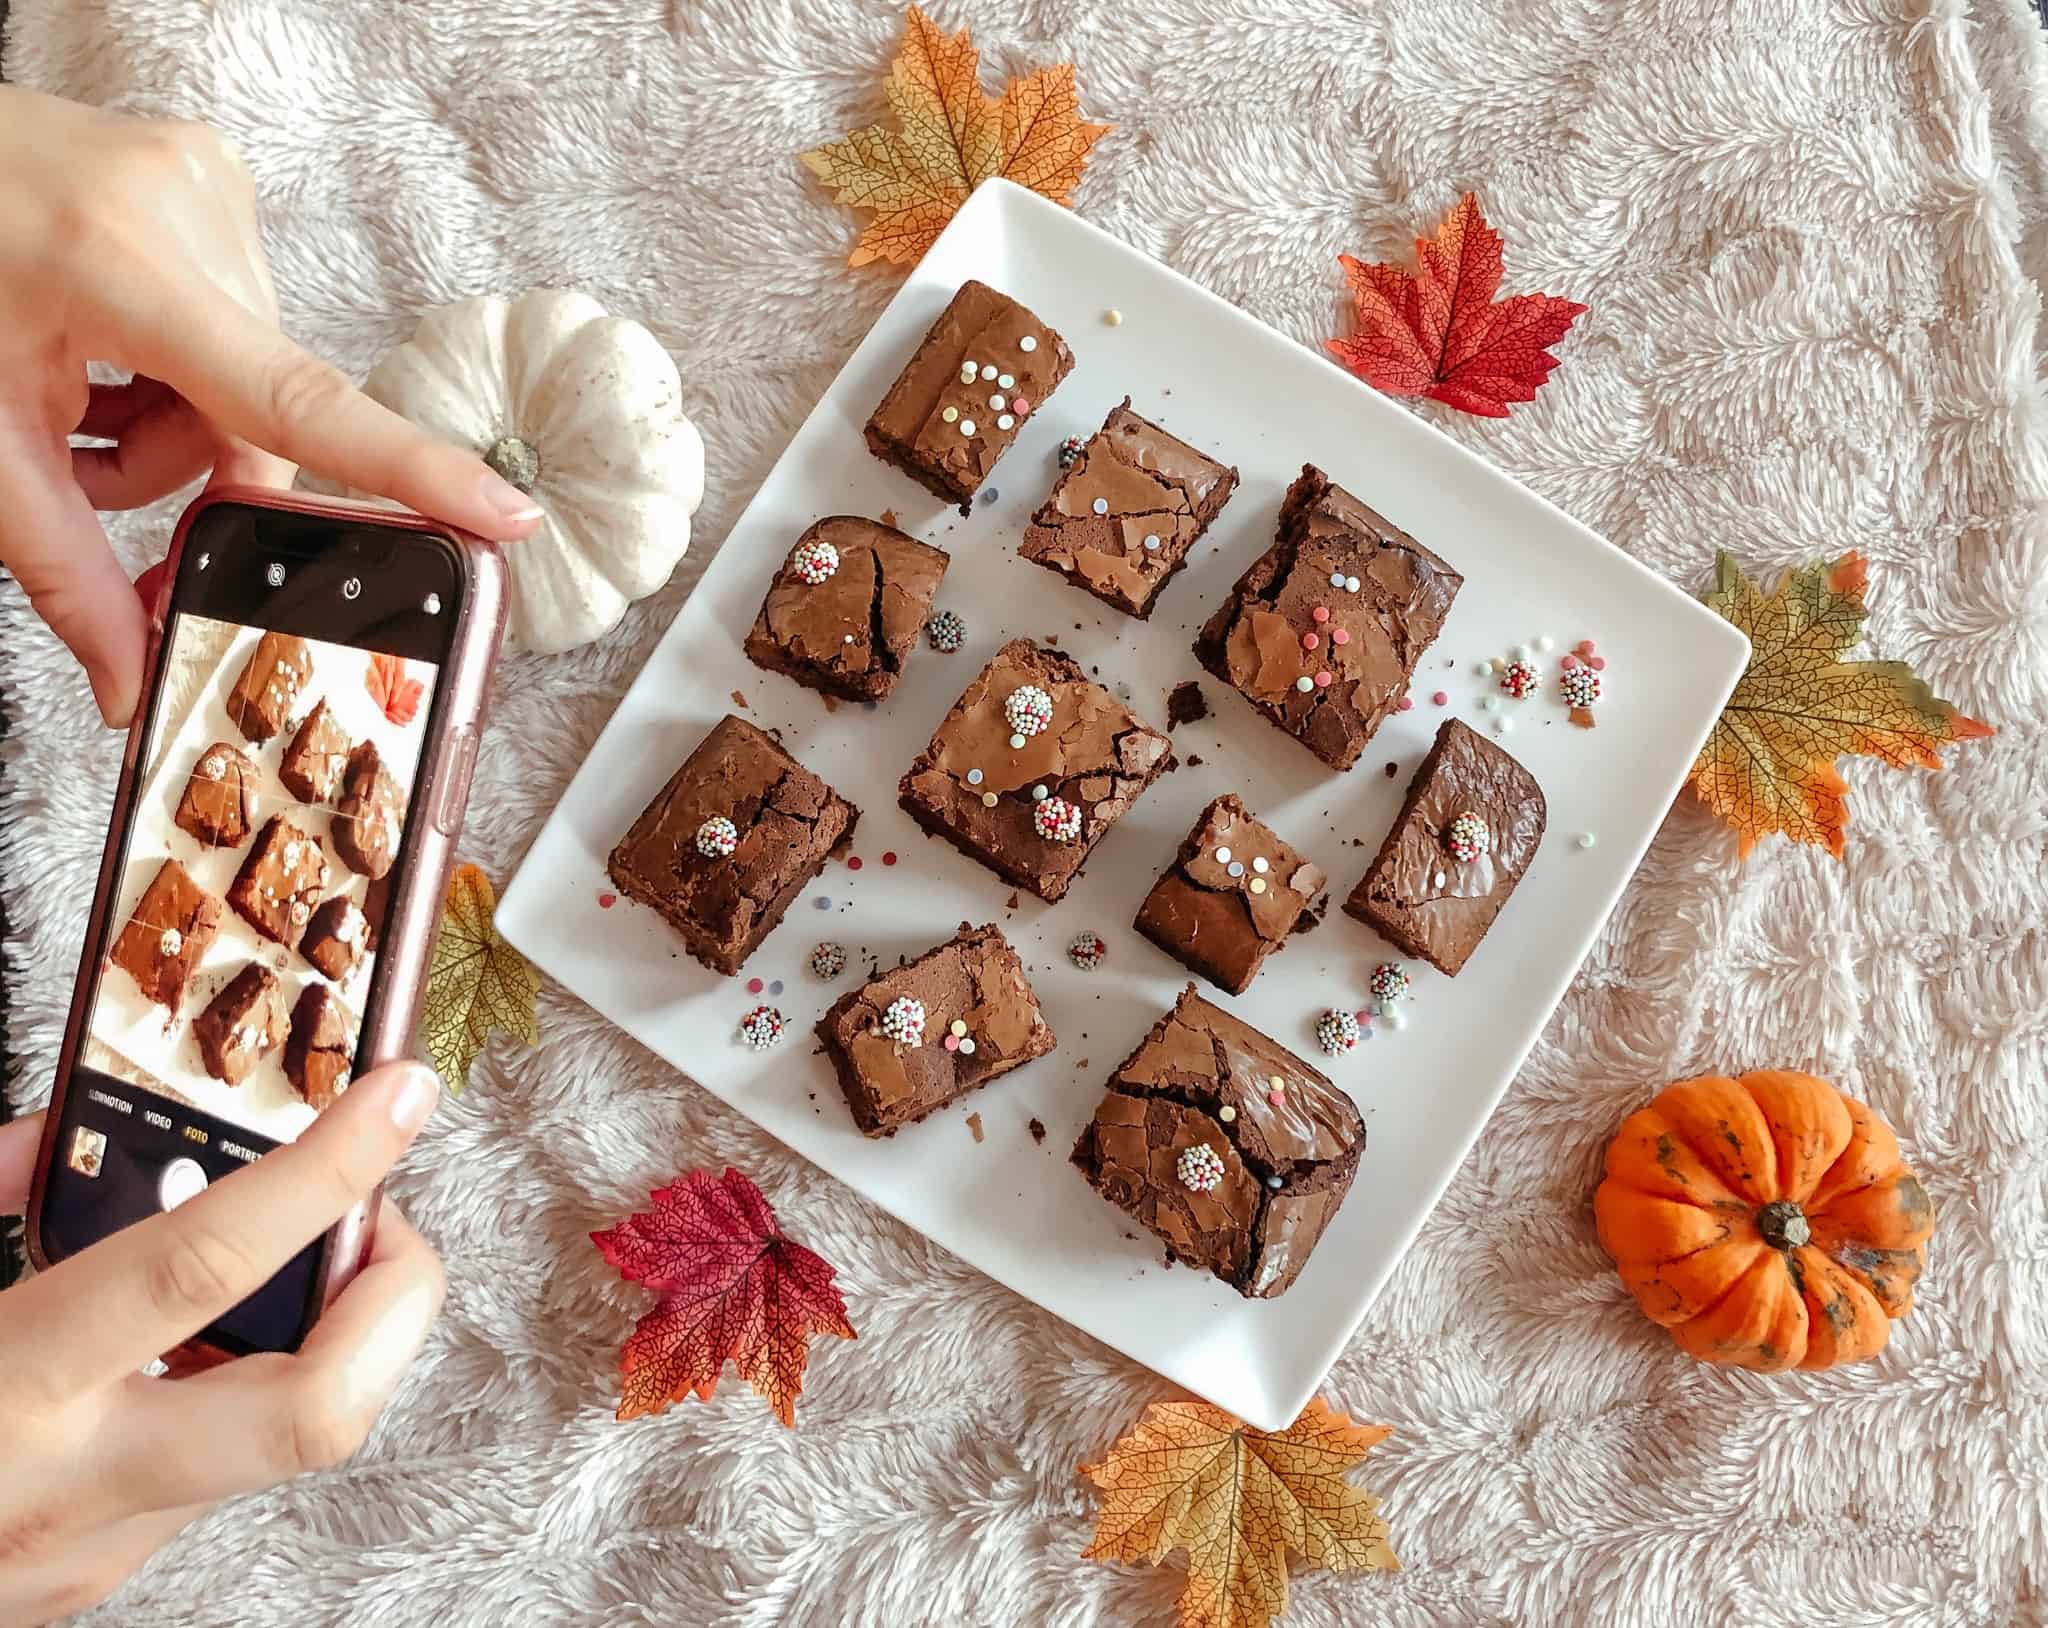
(108, 1310)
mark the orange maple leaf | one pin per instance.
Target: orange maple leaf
(1440, 333)
(398, 695)
(951, 138)
(1190, 1476)
(1769, 765)
(732, 1285)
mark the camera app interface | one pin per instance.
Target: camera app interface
(277, 783)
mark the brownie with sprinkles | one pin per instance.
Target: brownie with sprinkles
(846, 607)
(1323, 631)
(928, 1032)
(281, 880)
(725, 847)
(369, 816)
(1125, 513)
(320, 1050)
(267, 689)
(984, 368)
(317, 758)
(1232, 896)
(1467, 832)
(218, 805)
(336, 937)
(1229, 1147)
(241, 1025)
(1031, 767)
(174, 922)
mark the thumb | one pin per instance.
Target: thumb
(18, 1143)
(255, 383)
(51, 540)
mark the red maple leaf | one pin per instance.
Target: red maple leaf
(731, 1285)
(1441, 334)
(398, 695)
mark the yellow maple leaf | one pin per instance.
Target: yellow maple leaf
(476, 983)
(1190, 1476)
(951, 137)
(1769, 765)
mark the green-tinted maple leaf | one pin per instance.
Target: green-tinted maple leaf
(476, 983)
(1770, 763)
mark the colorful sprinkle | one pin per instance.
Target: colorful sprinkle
(1028, 343)
(1070, 450)
(1483, 668)
(1040, 793)
(988, 799)
(1028, 709)
(1304, 683)
(1351, 585)
(775, 986)
(950, 414)
(1057, 820)
(1200, 1168)
(753, 986)
(903, 1021)
(815, 562)
(947, 631)
(966, 426)
(1580, 687)
(717, 838)
(998, 401)
(821, 902)
(1258, 884)
(889, 858)
(1336, 579)
(1235, 868)
(974, 777)
(1388, 983)
(1405, 704)
(988, 370)
(1273, 1183)
(1321, 613)
(1227, 1114)
(1324, 680)
(1021, 405)
(853, 862)
(1114, 318)
(1467, 838)
(762, 1027)
(1519, 679)
(969, 372)
(1087, 951)
(1338, 1032)
(951, 1042)
(1100, 505)
(966, 1048)
(606, 900)
(1310, 641)
(1152, 541)
(828, 960)
(1340, 636)
(1441, 698)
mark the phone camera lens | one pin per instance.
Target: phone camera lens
(352, 588)
(274, 574)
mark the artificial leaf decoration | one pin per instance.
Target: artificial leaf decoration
(1769, 765)
(1439, 332)
(398, 695)
(950, 138)
(732, 1286)
(477, 981)
(1237, 1499)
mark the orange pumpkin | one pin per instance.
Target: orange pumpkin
(1766, 1221)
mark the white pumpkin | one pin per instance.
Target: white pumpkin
(584, 412)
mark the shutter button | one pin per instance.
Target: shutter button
(182, 1179)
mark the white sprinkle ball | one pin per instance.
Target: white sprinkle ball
(966, 1048)
(1520, 652)
(988, 799)
(1028, 343)
(1304, 683)
(1016, 743)
(1235, 867)
(1396, 1019)
(974, 777)
(1483, 668)
(1585, 839)
(969, 372)
(1546, 643)
(1492, 703)
(1100, 505)
(1440, 879)
(1040, 793)
(966, 426)
(1006, 381)
(1351, 585)
(1503, 726)
(950, 414)
(1114, 318)
(1152, 540)
(1336, 579)
(1260, 866)
(1222, 856)
(1006, 422)
(998, 402)
(988, 370)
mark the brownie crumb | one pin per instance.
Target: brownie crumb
(739, 699)
(1052, 638)
(1194, 760)
(974, 1124)
(1393, 771)
(1037, 1129)
(1186, 705)
(889, 518)
(1012, 902)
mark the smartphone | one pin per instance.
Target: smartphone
(294, 782)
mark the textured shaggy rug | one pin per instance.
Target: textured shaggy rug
(1805, 229)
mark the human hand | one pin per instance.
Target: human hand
(134, 243)
(105, 1465)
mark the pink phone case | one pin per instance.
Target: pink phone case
(441, 792)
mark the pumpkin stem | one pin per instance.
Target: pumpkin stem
(1783, 1225)
(515, 460)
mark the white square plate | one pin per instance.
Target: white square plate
(1242, 392)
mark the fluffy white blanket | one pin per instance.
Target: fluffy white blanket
(1804, 229)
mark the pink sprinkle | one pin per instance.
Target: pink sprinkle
(1309, 641)
(1324, 681)
(606, 900)
(1340, 636)
(753, 986)
(1276, 1097)
(1568, 663)
(853, 863)
(952, 1042)
(1019, 406)
(1321, 613)
(1406, 705)
(1597, 663)
(889, 858)
(1441, 699)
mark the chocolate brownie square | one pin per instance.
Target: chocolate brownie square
(1469, 827)
(241, 1024)
(321, 1050)
(218, 805)
(1031, 767)
(376, 904)
(314, 762)
(986, 365)
(1323, 632)
(846, 607)
(280, 881)
(369, 818)
(261, 702)
(336, 937)
(174, 921)
(1123, 517)
(1231, 897)
(736, 834)
(932, 1030)
(1228, 1146)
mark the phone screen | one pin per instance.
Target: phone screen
(269, 827)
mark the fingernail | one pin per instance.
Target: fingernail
(416, 1097)
(513, 504)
